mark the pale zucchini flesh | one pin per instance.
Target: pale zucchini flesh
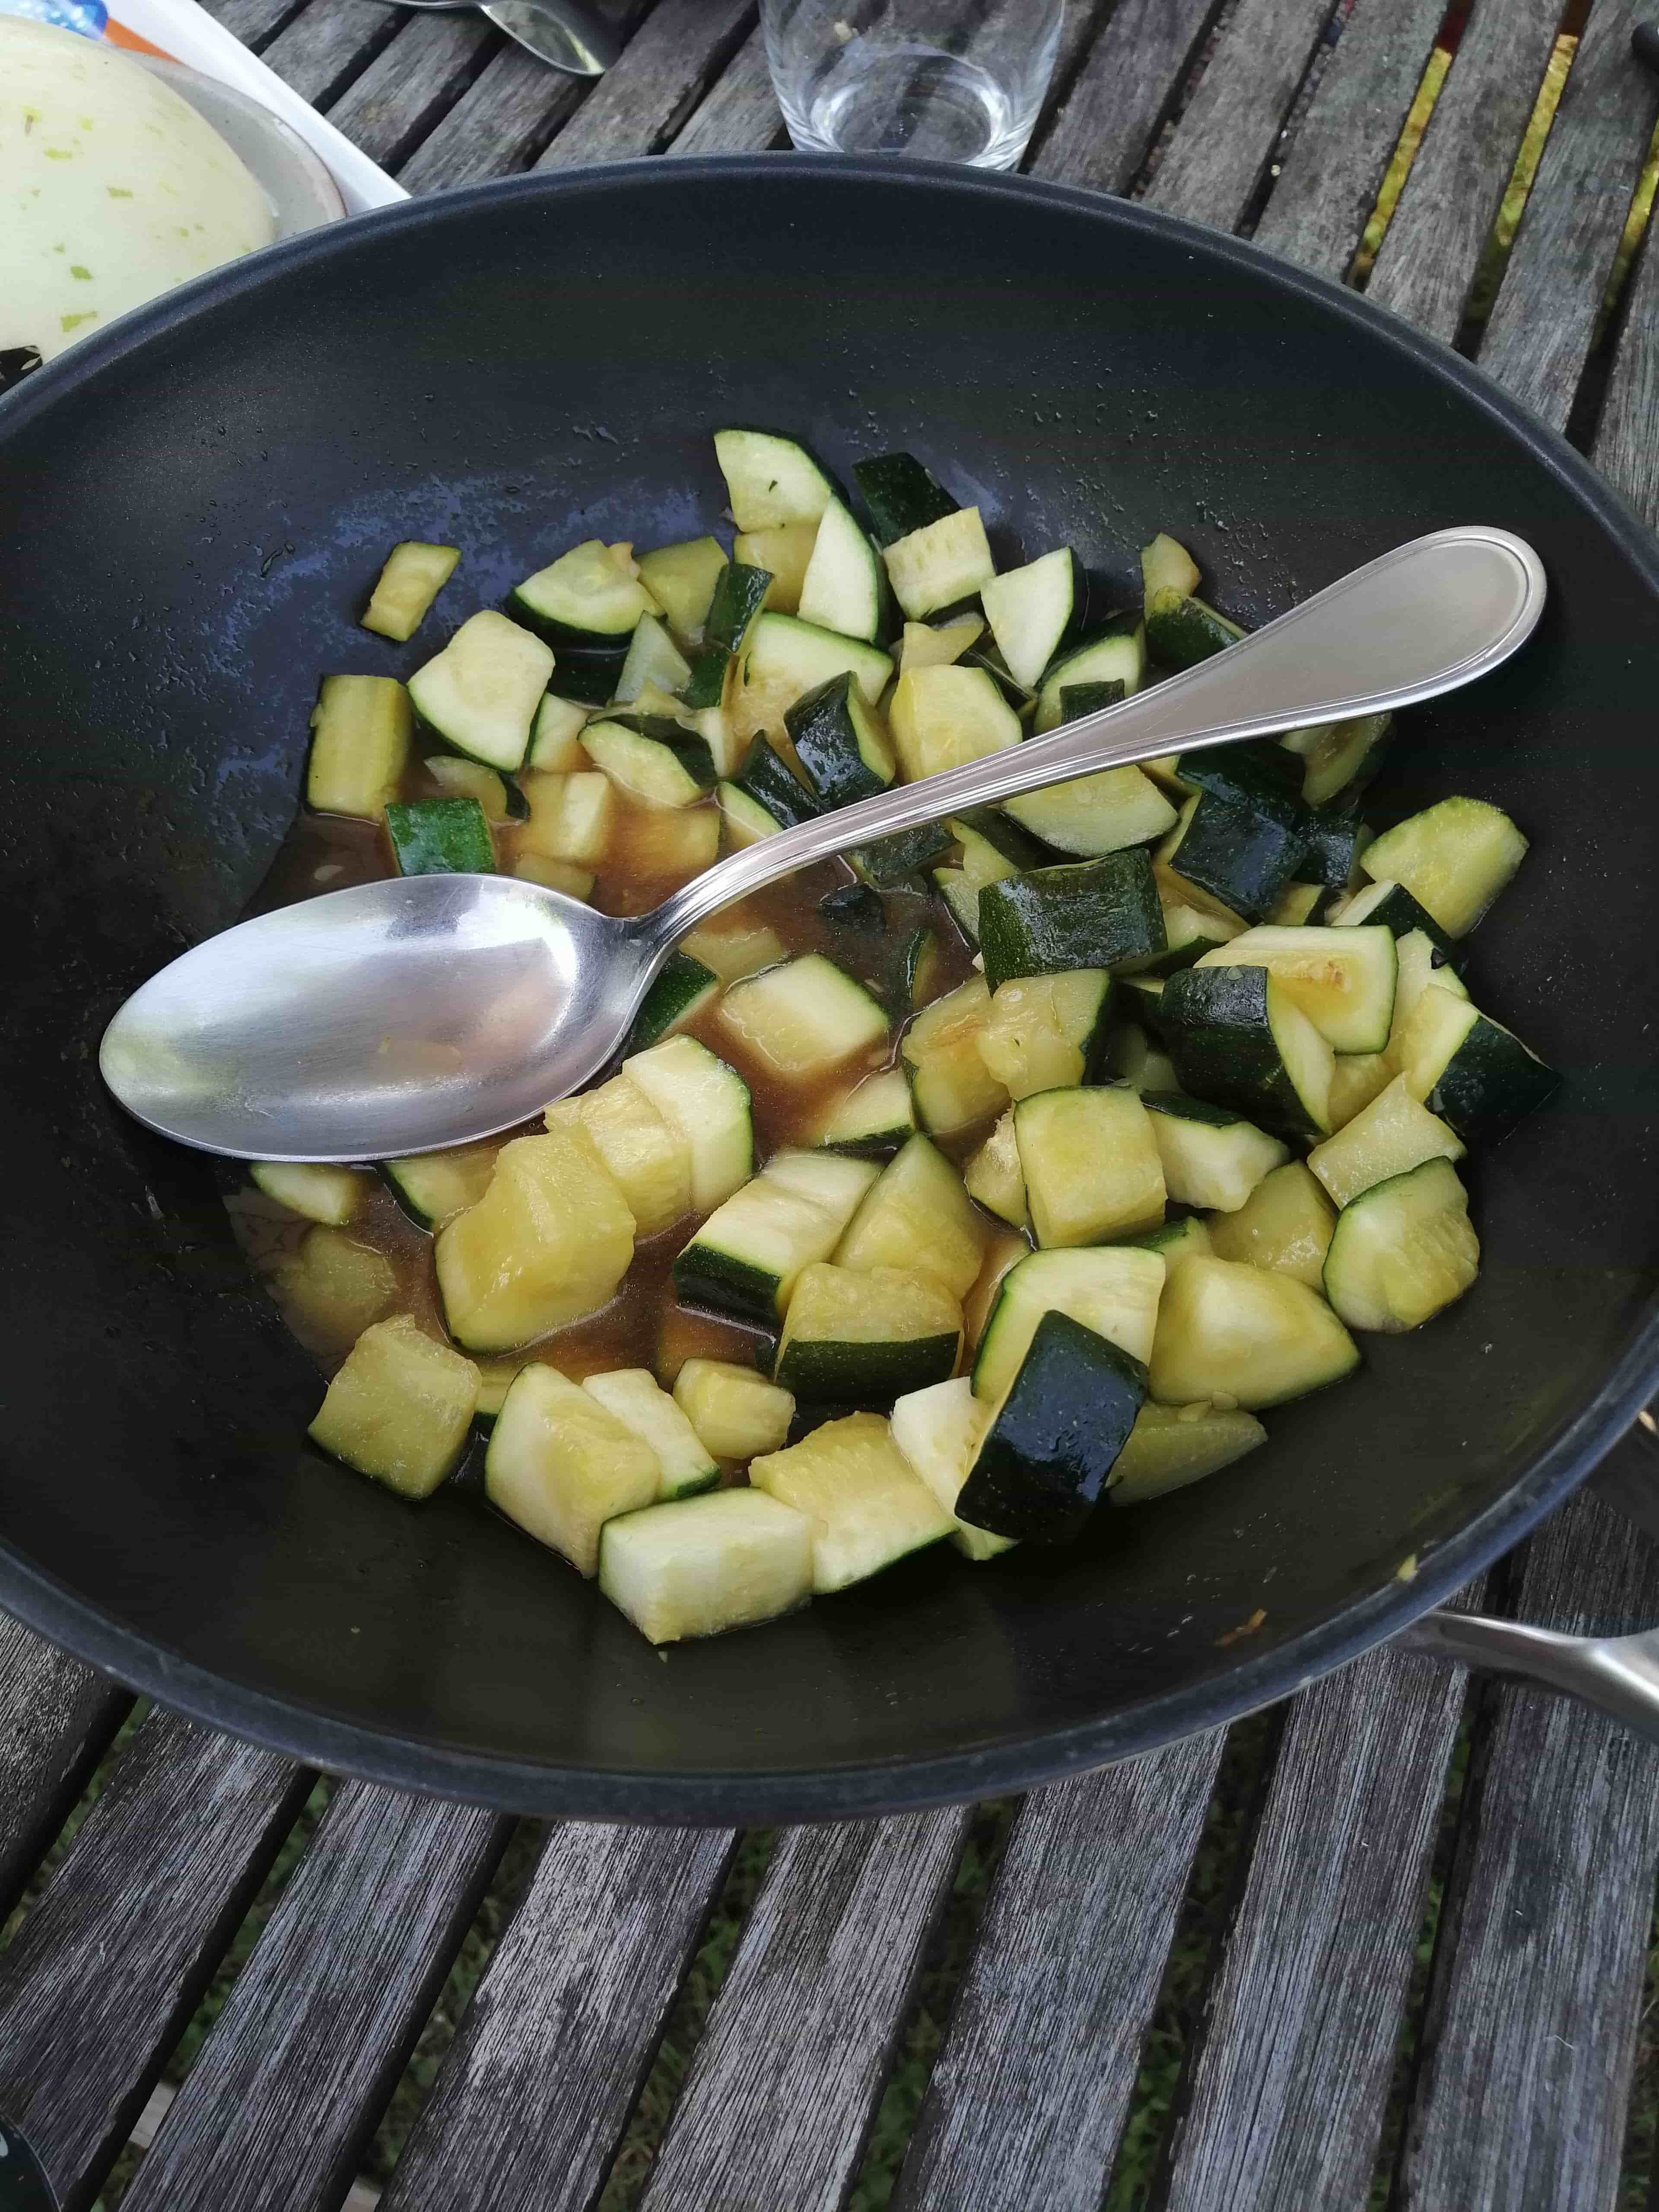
(737, 1413)
(399, 1407)
(1090, 1164)
(939, 1430)
(866, 1506)
(698, 1566)
(1170, 1446)
(560, 1465)
(1113, 1289)
(633, 1395)
(1284, 1225)
(1403, 1250)
(1231, 1334)
(1395, 1132)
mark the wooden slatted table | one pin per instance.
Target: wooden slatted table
(1418, 1977)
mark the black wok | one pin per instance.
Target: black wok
(191, 509)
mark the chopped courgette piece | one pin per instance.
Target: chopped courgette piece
(1182, 629)
(1332, 844)
(786, 656)
(589, 679)
(360, 729)
(1395, 1132)
(917, 1216)
(901, 495)
(940, 563)
(649, 1157)
(1227, 1331)
(651, 758)
(1403, 1250)
(769, 479)
(858, 1335)
(333, 1287)
(1133, 1058)
(696, 1566)
(895, 860)
(781, 550)
(412, 578)
(468, 778)
(951, 1083)
(995, 1179)
(1045, 1031)
(1090, 1164)
(866, 1506)
(747, 1256)
(732, 947)
(1357, 1077)
(923, 966)
(440, 837)
(876, 1116)
(1211, 1157)
(1296, 904)
(482, 692)
(633, 1395)
(556, 736)
(840, 742)
(399, 1408)
(430, 1186)
(547, 1244)
(571, 817)
(708, 1104)
(555, 875)
(1468, 1068)
(1085, 914)
(684, 989)
(766, 780)
(994, 845)
(1343, 980)
(1237, 1037)
(943, 716)
(927, 645)
(855, 906)
(939, 1430)
(1177, 1240)
(653, 660)
(1337, 756)
(682, 579)
(1189, 932)
(1044, 1462)
(1077, 700)
(1095, 814)
(1033, 611)
(1167, 566)
(803, 1018)
(1258, 775)
(845, 587)
(328, 1194)
(1170, 1446)
(1391, 906)
(1454, 859)
(1241, 857)
(590, 598)
(1284, 1225)
(737, 1413)
(562, 1465)
(1114, 653)
(1112, 1289)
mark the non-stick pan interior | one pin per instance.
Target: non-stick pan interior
(188, 526)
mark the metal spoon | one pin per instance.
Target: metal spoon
(401, 1017)
(565, 33)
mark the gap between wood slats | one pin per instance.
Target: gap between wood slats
(57, 1720)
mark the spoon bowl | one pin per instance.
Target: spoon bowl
(405, 1015)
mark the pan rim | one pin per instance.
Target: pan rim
(320, 1736)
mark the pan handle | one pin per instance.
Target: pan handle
(1615, 1674)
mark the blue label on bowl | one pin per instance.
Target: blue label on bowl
(87, 16)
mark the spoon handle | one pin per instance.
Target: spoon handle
(1427, 616)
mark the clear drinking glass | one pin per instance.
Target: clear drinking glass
(946, 80)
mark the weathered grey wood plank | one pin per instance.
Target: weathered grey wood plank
(56, 1718)
(1529, 2041)
(1103, 127)
(274, 2113)
(1029, 2094)
(638, 106)
(1222, 144)
(327, 45)
(254, 21)
(506, 118)
(1344, 143)
(739, 113)
(1541, 325)
(1624, 449)
(784, 2083)
(1286, 2099)
(401, 97)
(545, 2067)
(1430, 249)
(105, 1970)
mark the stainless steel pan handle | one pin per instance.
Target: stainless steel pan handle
(1615, 1674)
